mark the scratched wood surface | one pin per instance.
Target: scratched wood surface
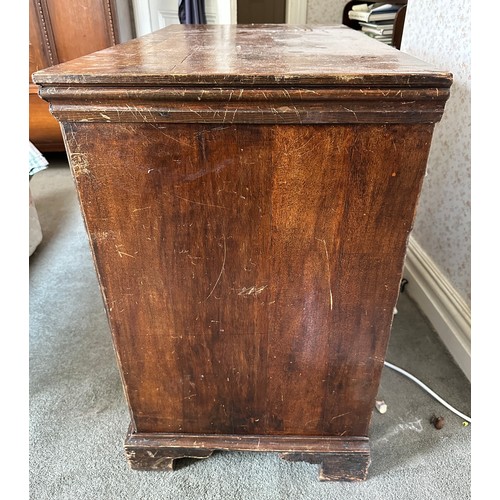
(247, 292)
(343, 458)
(278, 74)
(241, 74)
(249, 55)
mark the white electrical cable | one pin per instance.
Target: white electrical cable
(430, 391)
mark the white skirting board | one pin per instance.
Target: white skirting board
(441, 303)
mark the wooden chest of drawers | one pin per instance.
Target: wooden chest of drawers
(248, 193)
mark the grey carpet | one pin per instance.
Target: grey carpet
(78, 414)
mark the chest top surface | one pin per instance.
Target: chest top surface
(246, 55)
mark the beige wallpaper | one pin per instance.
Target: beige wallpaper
(439, 33)
(325, 11)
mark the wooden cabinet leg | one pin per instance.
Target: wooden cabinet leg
(343, 459)
(160, 458)
(149, 459)
(151, 454)
(336, 466)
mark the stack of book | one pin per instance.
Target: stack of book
(376, 19)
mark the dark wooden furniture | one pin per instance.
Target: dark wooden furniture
(248, 205)
(261, 11)
(399, 21)
(61, 30)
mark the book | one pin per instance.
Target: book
(377, 24)
(380, 37)
(383, 29)
(367, 6)
(384, 12)
(367, 31)
(362, 6)
(370, 16)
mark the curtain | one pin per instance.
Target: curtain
(192, 12)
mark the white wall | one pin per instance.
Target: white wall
(438, 263)
(125, 22)
(439, 33)
(325, 11)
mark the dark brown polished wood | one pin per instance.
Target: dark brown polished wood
(261, 11)
(248, 194)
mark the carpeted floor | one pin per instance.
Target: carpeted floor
(78, 414)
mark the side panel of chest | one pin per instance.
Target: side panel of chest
(249, 271)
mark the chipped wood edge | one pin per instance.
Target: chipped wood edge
(352, 466)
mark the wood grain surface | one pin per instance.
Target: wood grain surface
(250, 272)
(274, 74)
(228, 55)
(340, 459)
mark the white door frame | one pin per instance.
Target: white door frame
(142, 17)
(296, 13)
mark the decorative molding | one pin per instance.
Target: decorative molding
(440, 302)
(168, 17)
(43, 13)
(211, 17)
(212, 11)
(110, 15)
(296, 12)
(183, 104)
